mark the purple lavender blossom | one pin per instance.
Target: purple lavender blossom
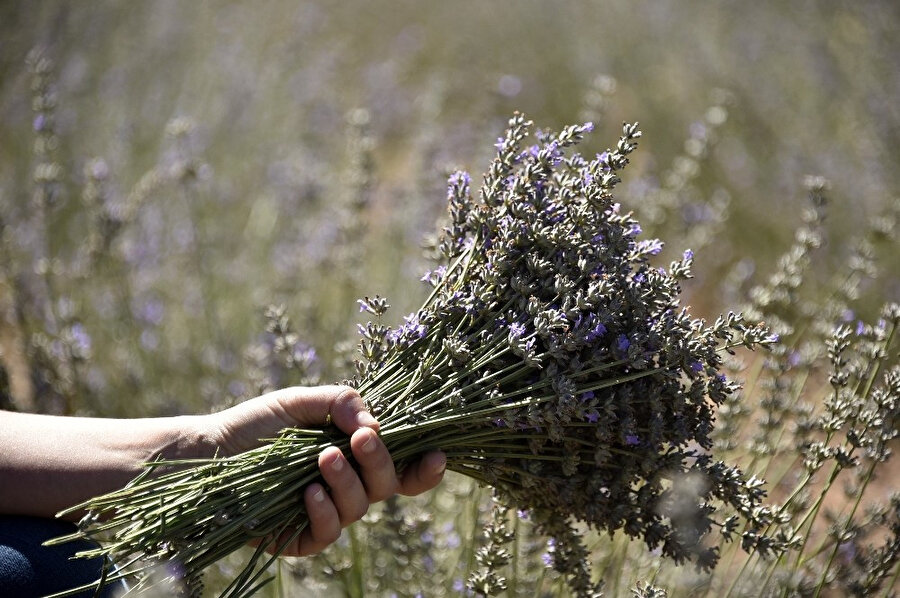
(651, 246)
(696, 366)
(237, 388)
(99, 169)
(516, 330)
(603, 158)
(632, 440)
(592, 416)
(688, 254)
(452, 540)
(175, 569)
(555, 213)
(434, 276)
(150, 311)
(304, 354)
(554, 151)
(81, 340)
(622, 343)
(587, 396)
(595, 333)
(411, 329)
(460, 178)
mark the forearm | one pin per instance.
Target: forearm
(48, 463)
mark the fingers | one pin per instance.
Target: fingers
(324, 524)
(424, 474)
(351, 493)
(349, 498)
(375, 465)
(347, 491)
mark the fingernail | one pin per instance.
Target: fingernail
(365, 419)
(319, 495)
(441, 466)
(338, 463)
(369, 445)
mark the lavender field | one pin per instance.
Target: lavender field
(193, 196)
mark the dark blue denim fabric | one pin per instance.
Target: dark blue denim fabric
(28, 569)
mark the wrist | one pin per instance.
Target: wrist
(191, 437)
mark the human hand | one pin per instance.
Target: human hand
(240, 428)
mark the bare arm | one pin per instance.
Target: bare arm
(48, 463)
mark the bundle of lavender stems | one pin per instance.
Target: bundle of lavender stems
(551, 361)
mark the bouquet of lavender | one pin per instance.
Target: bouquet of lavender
(551, 361)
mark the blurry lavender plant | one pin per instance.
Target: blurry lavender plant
(74, 261)
(810, 434)
(551, 361)
(671, 204)
(493, 556)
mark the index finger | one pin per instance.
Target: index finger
(315, 406)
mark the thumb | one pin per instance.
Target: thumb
(316, 406)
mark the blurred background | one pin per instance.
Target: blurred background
(193, 195)
(252, 147)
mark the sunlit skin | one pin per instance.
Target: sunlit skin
(49, 463)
